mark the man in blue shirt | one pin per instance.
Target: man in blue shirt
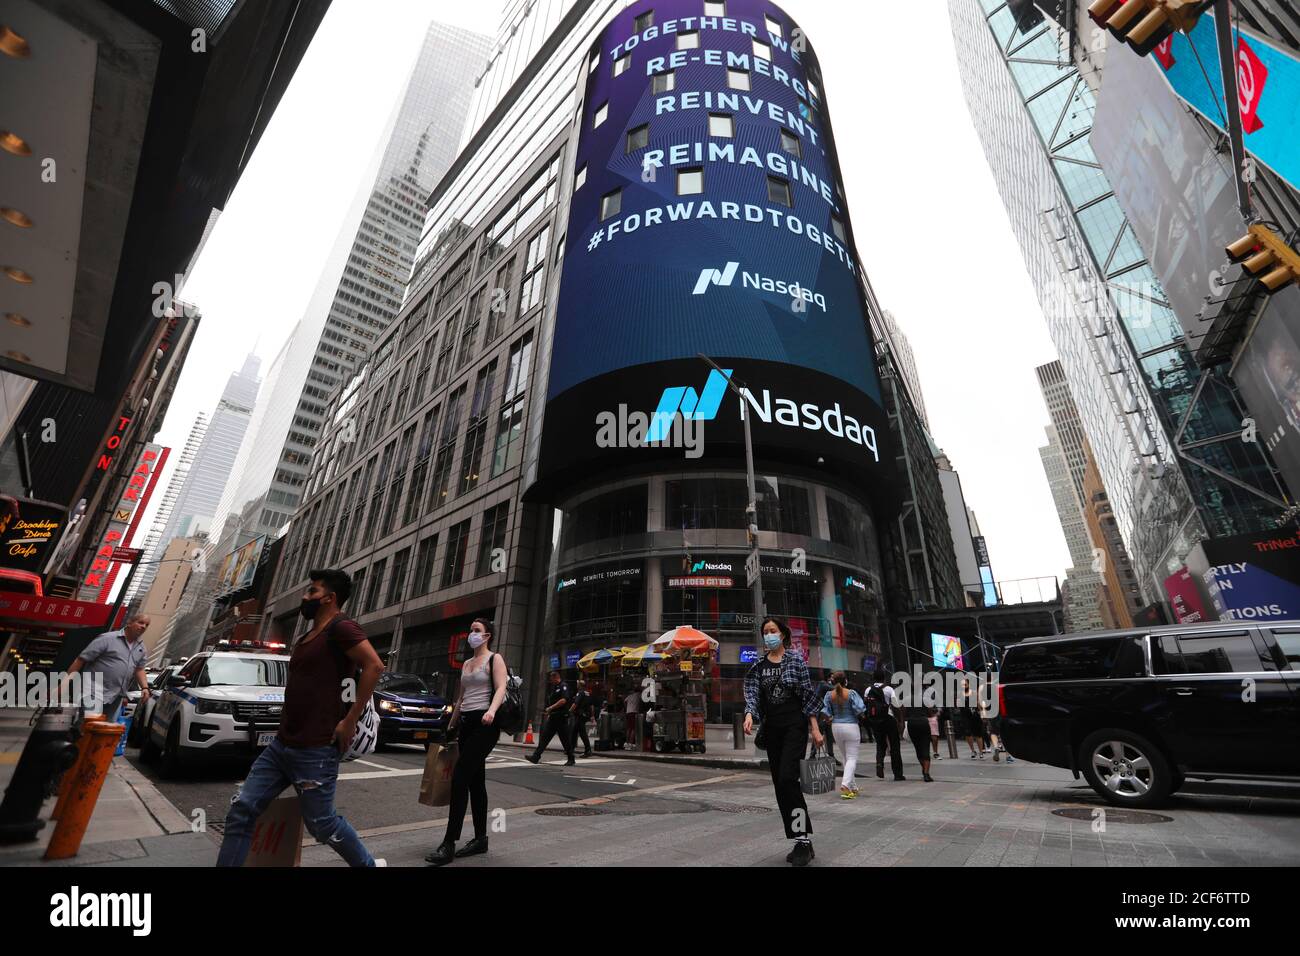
(119, 657)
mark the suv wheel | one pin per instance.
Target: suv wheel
(148, 749)
(1125, 768)
(171, 754)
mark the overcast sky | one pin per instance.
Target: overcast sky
(914, 174)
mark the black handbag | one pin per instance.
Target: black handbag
(510, 715)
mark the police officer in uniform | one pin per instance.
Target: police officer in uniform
(581, 711)
(558, 700)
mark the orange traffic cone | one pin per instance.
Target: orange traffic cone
(528, 734)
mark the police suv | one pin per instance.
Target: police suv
(221, 704)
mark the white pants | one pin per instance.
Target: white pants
(848, 738)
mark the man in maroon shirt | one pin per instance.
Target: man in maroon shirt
(323, 700)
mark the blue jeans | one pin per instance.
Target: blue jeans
(313, 772)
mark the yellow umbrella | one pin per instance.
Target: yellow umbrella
(592, 661)
(641, 655)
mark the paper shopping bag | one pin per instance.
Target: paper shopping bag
(817, 775)
(435, 785)
(277, 835)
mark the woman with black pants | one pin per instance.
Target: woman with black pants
(780, 696)
(482, 688)
(918, 729)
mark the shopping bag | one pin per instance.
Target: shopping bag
(435, 785)
(277, 835)
(817, 773)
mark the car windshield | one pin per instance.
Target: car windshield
(403, 684)
(243, 671)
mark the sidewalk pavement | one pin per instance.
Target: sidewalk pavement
(132, 819)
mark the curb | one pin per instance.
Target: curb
(169, 819)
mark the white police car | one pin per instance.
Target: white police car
(220, 704)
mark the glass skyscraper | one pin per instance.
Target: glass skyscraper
(1120, 344)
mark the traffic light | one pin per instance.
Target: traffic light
(1145, 24)
(1263, 249)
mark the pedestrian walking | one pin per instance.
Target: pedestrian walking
(779, 696)
(118, 656)
(863, 722)
(580, 713)
(631, 708)
(882, 712)
(483, 681)
(557, 722)
(932, 718)
(843, 706)
(322, 706)
(970, 723)
(918, 730)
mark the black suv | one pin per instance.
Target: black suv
(1136, 712)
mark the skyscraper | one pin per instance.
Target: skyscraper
(360, 289)
(1121, 346)
(1081, 611)
(145, 575)
(197, 499)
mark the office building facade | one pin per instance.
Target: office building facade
(464, 471)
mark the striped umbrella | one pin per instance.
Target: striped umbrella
(644, 654)
(685, 640)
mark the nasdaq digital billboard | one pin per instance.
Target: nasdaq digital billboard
(707, 218)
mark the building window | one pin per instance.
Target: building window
(790, 143)
(534, 281)
(645, 21)
(690, 182)
(476, 437)
(508, 449)
(762, 51)
(610, 204)
(397, 586)
(663, 82)
(638, 138)
(621, 65)
(453, 570)
(688, 41)
(499, 302)
(773, 25)
(721, 124)
(778, 190)
(738, 79)
(580, 179)
(358, 593)
(602, 112)
(376, 579)
(837, 226)
(494, 536)
(715, 8)
(424, 566)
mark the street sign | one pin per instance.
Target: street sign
(753, 567)
(129, 555)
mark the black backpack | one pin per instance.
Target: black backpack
(510, 715)
(877, 707)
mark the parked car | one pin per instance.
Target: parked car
(219, 704)
(157, 686)
(1137, 712)
(409, 712)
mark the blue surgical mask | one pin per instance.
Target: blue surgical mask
(771, 641)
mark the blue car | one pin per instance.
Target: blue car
(409, 712)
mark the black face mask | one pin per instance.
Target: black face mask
(309, 607)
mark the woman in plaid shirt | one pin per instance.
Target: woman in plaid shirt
(779, 695)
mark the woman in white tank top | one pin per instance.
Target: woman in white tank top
(482, 687)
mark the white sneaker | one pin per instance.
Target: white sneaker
(381, 862)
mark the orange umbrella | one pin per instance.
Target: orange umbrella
(685, 639)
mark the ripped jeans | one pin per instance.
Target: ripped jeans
(313, 772)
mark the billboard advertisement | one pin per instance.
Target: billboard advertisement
(239, 567)
(1268, 90)
(1268, 375)
(1185, 598)
(27, 541)
(1250, 577)
(707, 218)
(946, 651)
(1175, 189)
(97, 583)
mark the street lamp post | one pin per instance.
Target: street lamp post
(753, 568)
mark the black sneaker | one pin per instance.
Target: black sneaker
(880, 771)
(570, 762)
(585, 754)
(445, 853)
(533, 758)
(929, 779)
(802, 853)
(474, 847)
(900, 777)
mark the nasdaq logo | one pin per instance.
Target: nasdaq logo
(710, 277)
(701, 407)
